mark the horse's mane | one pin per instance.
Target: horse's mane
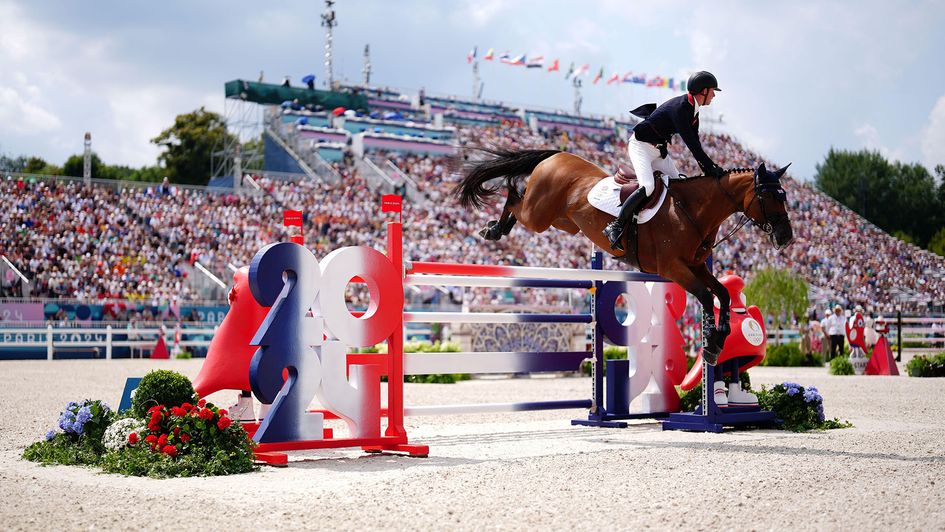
(699, 178)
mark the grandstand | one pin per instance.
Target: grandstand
(150, 245)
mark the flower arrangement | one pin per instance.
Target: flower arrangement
(117, 434)
(82, 424)
(799, 409)
(185, 440)
(927, 366)
(168, 440)
(87, 418)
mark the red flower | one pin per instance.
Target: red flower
(154, 427)
(202, 403)
(176, 430)
(187, 406)
(224, 423)
(206, 413)
(133, 438)
(222, 412)
(184, 438)
(169, 450)
(152, 440)
(162, 441)
(154, 409)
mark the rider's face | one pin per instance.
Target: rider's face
(708, 96)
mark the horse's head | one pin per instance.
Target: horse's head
(767, 206)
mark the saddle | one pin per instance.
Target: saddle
(627, 179)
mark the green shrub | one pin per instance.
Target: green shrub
(611, 352)
(184, 355)
(798, 409)
(790, 355)
(161, 387)
(927, 365)
(841, 366)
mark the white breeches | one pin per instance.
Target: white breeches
(645, 158)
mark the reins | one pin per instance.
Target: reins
(738, 226)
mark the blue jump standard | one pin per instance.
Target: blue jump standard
(709, 417)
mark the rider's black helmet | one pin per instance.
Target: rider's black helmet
(700, 81)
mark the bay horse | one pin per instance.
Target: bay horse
(674, 244)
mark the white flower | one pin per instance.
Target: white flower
(116, 435)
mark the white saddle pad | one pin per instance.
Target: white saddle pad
(606, 196)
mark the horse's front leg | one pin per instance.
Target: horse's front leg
(724, 327)
(685, 277)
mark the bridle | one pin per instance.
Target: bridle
(768, 223)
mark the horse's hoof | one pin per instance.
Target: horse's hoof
(711, 355)
(489, 233)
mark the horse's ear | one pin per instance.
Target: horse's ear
(780, 172)
(761, 172)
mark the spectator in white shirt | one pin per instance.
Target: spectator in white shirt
(834, 325)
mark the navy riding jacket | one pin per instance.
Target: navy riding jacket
(676, 115)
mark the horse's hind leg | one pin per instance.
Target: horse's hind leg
(501, 227)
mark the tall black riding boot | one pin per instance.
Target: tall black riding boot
(615, 229)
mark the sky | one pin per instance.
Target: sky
(797, 77)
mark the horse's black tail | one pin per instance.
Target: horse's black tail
(511, 164)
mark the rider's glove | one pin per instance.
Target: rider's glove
(715, 171)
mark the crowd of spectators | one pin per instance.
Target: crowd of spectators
(137, 243)
(79, 242)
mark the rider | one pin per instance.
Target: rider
(647, 146)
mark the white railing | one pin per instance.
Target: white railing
(375, 176)
(96, 338)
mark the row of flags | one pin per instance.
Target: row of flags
(538, 61)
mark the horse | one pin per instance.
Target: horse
(675, 244)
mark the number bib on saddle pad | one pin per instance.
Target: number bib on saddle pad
(606, 195)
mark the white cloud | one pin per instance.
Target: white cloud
(481, 12)
(933, 136)
(21, 114)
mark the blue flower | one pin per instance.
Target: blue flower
(792, 391)
(820, 412)
(78, 427)
(71, 405)
(50, 435)
(84, 415)
(791, 385)
(812, 396)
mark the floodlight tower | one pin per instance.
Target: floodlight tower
(328, 22)
(475, 69)
(87, 160)
(577, 94)
(367, 65)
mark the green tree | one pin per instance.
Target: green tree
(780, 294)
(35, 165)
(188, 145)
(937, 243)
(13, 164)
(75, 165)
(895, 197)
